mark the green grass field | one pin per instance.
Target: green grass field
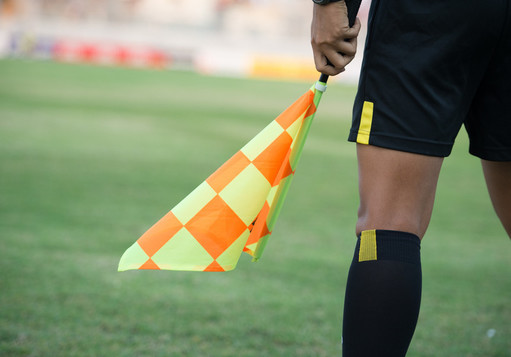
(90, 157)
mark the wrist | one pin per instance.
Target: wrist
(324, 2)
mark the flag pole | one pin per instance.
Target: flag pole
(319, 87)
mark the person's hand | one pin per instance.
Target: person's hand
(334, 42)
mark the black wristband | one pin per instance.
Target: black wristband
(324, 2)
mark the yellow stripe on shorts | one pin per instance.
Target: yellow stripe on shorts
(367, 250)
(366, 120)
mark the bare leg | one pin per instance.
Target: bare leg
(498, 180)
(397, 189)
(383, 290)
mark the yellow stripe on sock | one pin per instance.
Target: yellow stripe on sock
(366, 121)
(367, 246)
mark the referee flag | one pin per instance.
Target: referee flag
(235, 209)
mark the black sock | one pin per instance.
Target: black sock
(383, 295)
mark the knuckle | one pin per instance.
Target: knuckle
(351, 52)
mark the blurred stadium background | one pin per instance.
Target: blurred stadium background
(248, 38)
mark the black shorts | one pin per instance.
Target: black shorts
(429, 67)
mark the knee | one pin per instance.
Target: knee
(393, 219)
(397, 189)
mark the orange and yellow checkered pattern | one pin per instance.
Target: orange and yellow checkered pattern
(230, 212)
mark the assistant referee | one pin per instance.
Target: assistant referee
(429, 67)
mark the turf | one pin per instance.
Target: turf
(90, 157)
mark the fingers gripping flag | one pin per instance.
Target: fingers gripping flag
(235, 209)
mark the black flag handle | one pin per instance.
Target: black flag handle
(323, 78)
(352, 6)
